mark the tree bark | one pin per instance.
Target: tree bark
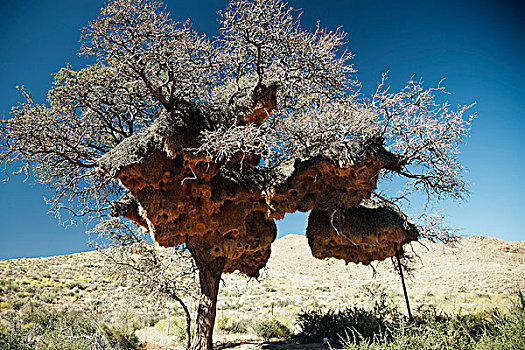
(209, 278)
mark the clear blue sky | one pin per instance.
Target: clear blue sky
(477, 45)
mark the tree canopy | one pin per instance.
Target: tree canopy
(204, 142)
(151, 66)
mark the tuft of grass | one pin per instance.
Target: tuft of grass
(271, 328)
(230, 325)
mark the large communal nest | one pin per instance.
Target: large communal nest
(371, 231)
(221, 212)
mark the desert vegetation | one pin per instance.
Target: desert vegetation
(38, 327)
(381, 327)
(465, 298)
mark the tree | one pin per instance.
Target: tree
(156, 273)
(204, 143)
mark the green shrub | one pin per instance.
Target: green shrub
(506, 331)
(17, 305)
(73, 284)
(15, 340)
(227, 324)
(151, 319)
(117, 338)
(6, 304)
(240, 326)
(48, 296)
(271, 328)
(355, 322)
(13, 287)
(316, 325)
(162, 325)
(434, 330)
(222, 323)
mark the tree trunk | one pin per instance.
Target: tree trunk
(209, 278)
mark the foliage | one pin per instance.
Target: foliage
(230, 325)
(318, 325)
(271, 328)
(434, 330)
(177, 328)
(36, 327)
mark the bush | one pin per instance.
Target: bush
(17, 305)
(48, 296)
(73, 284)
(151, 319)
(14, 340)
(434, 330)
(506, 332)
(117, 338)
(6, 304)
(317, 325)
(38, 328)
(226, 324)
(271, 328)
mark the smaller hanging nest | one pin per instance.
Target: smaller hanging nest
(371, 231)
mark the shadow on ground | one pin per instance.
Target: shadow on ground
(277, 345)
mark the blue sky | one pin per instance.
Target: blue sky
(478, 46)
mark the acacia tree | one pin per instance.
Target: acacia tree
(204, 143)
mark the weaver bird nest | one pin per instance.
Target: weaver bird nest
(227, 209)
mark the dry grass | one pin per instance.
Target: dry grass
(479, 274)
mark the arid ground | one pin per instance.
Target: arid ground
(480, 273)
